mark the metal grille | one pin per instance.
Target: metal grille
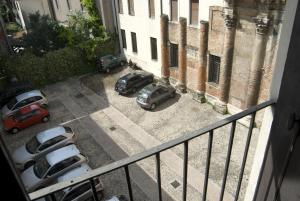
(133, 40)
(173, 49)
(153, 48)
(214, 69)
(155, 151)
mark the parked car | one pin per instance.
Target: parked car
(22, 100)
(153, 94)
(118, 198)
(109, 62)
(41, 144)
(51, 166)
(25, 117)
(131, 82)
(79, 192)
(13, 90)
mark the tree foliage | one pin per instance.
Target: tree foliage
(43, 34)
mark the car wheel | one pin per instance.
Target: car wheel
(45, 119)
(14, 130)
(28, 164)
(173, 94)
(153, 106)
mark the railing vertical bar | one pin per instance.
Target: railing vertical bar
(245, 156)
(158, 176)
(92, 183)
(210, 140)
(185, 170)
(128, 183)
(53, 198)
(233, 125)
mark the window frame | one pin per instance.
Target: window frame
(123, 36)
(120, 7)
(151, 3)
(191, 14)
(171, 11)
(154, 55)
(134, 45)
(130, 4)
(214, 69)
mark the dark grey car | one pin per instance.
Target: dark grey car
(154, 94)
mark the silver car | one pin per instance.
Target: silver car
(153, 94)
(79, 192)
(22, 100)
(51, 166)
(41, 144)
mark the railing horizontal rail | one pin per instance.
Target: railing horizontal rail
(147, 153)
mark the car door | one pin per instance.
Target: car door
(26, 119)
(155, 97)
(164, 93)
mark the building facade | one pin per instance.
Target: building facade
(221, 51)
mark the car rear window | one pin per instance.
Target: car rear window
(32, 145)
(68, 129)
(11, 103)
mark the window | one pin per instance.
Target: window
(174, 10)
(194, 11)
(173, 54)
(56, 3)
(130, 7)
(69, 5)
(133, 40)
(123, 35)
(151, 9)
(51, 142)
(153, 48)
(214, 69)
(120, 4)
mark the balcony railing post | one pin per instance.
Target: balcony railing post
(228, 159)
(245, 156)
(210, 140)
(92, 183)
(185, 169)
(128, 183)
(158, 176)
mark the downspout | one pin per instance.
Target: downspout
(51, 9)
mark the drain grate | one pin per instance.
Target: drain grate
(175, 184)
(79, 95)
(112, 128)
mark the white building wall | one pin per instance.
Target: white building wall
(144, 27)
(32, 6)
(62, 11)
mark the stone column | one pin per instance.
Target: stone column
(226, 61)
(165, 65)
(181, 85)
(258, 56)
(201, 74)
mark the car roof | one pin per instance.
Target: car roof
(128, 76)
(28, 94)
(151, 87)
(62, 154)
(82, 169)
(50, 133)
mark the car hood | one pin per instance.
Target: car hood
(21, 155)
(5, 110)
(29, 179)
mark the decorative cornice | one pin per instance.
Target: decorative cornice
(262, 24)
(229, 17)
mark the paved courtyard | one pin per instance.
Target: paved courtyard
(111, 127)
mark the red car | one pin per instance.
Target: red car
(26, 117)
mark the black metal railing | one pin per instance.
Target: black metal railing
(156, 151)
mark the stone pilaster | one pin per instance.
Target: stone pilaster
(182, 65)
(201, 74)
(258, 56)
(165, 65)
(226, 60)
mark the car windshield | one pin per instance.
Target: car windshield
(122, 82)
(144, 93)
(12, 103)
(41, 167)
(32, 145)
(59, 195)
